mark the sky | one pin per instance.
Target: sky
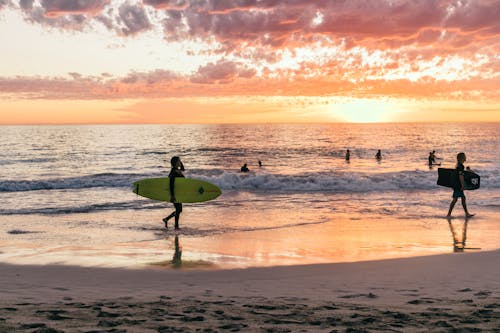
(248, 61)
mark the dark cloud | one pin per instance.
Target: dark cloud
(221, 72)
(167, 4)
(133, 18)
(280, 23)
(26, 4)
(285, 23)
(4, 3)
(54, 8)
(63, 14)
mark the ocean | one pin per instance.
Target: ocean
(66, 193)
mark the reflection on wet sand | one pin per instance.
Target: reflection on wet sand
(177, 259)
(459, 243)
(177, 262)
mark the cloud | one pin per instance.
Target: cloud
(444, 48)
(225, 78)
(221, 72)
(4, 3)
(63, 14)
(56, 8)
(279, 23)
(285, 23)
(168, 4)
(134, 19)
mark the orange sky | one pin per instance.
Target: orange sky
(175, 61)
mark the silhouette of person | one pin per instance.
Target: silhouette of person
(458, 190)
(260, 163)
(175, 172)
(244, 168)
(378, 155)
(432, 159)
(347, 155)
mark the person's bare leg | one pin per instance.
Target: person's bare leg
(464, 204)
(452, 204)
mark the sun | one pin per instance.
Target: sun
(364, 110)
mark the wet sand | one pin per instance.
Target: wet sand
(440, 293)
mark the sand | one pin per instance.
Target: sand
(442, 293)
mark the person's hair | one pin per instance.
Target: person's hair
(174, 160)
(460, 157)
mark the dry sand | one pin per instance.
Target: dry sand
(442, 293)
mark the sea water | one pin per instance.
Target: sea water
(66, 193)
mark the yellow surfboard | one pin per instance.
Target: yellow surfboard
(186, 189)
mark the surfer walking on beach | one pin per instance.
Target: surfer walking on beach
(175, 172)
(458, 190)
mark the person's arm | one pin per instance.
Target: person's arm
(462, 180)
(172, 185)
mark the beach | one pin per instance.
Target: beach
(440, 293)
(307, 242)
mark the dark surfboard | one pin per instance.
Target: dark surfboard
(449, 178)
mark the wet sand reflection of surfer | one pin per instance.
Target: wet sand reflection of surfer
(459, 243)
(177, 258)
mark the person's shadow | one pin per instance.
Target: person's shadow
(459, 241)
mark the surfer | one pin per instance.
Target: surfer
(260, 163)
(458, 191)
(176, 171)
(432, 159)
(347, 155)
(244, 168)
(378, 155)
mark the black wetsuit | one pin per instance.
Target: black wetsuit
(175, 173)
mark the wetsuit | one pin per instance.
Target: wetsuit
(457, 189)
(175, 173)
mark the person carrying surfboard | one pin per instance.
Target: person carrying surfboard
(175, 171)
(458, 190)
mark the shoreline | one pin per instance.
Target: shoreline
(438, 292)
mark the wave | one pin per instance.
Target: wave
(87, 181)
(336, 182)
(132, 205)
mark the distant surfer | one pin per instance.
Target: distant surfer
(260, 163)
(347, 155)
(244, 168)
(378, 155)
(176, 171)
(458, 191)
(432, 159)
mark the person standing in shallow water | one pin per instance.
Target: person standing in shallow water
(175, 172)
(378, 155)
(458, 190)
(347, 155)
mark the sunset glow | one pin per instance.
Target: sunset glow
(178, 61)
